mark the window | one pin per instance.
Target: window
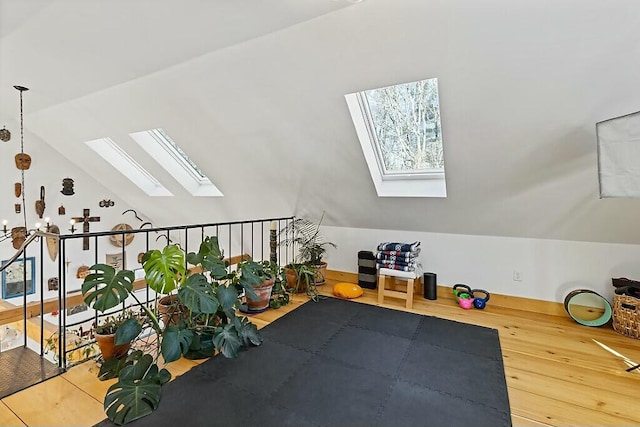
(165, 151)
(401, 137)
(126, 165)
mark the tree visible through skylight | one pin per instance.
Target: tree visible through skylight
(406, 123)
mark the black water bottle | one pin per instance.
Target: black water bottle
(429, 285)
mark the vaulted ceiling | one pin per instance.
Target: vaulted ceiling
(253, 91)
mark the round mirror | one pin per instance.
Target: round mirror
(587, 307)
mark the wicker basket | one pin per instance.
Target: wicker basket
(626, 315)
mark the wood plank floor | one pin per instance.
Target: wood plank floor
(556, 374)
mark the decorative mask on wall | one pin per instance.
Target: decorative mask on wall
(40, 205)
(83, 271)
(17, 189)
(5, 135)
(67, 187)
(23, 161)
(53, 284)
(18, 235)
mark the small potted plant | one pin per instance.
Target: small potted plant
(106, 334)
(260, 277)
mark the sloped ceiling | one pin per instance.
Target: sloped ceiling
(253, 91)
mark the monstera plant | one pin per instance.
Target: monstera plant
(207, 291)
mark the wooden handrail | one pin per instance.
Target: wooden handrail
(33, 308)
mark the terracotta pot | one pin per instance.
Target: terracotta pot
(292, 278)
(170, 310)
(264, 293)
(321, 272)
(108, 348)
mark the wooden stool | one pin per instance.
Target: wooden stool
(408, 276)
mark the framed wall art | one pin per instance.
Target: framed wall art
(13, 278)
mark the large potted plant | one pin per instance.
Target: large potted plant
(209, 293)
(304, 235)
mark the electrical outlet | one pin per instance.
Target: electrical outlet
(517, 276)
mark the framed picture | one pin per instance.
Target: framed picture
(115, 260)
(13, 278)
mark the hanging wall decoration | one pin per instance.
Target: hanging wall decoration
(67, 187)
(40, 205)
(121, 240)
(17, 189)
(106, 203)
(53, 284)
(62, 210)
(18, 207)
(85, 219)
(18, 236)
(5, 135)
(82, 272)
(52, 243)
(23, 161)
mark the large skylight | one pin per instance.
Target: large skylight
(126, 165)
(401, 137)
(158, 144)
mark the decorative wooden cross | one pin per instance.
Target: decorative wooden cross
(86, 219)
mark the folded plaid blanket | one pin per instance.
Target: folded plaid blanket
(399, 256)
(412, 263)
(402, 247)
(396, 267)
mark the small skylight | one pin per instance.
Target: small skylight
(126, 165)
(158, 144)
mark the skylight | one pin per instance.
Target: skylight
(401, 137)
(158, 144)
(126, 165)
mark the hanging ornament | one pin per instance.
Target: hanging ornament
(18, 235)
(18, 207)
(5, 135)
(106, 203)
(67, 187)
(62, 210)
(40, 205)
(18, 189)
(23, 161)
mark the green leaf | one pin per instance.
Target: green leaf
(104, 288)
(136, 394)
(165, 270)
(211, 258)
(226, 341)
(247, 331)
(164, 376)
(228, 297)
(128, 331)
(175, 342)
(197, 294)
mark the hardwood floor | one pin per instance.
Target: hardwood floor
(556, 374)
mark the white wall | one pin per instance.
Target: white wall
(550, 268)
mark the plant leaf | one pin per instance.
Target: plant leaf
(247, 331)
(226, 341)
(136, 394)
(165, 270)
(228, 297)
(175, 342)
(197, 294)
(104, 288)
(128, 331)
